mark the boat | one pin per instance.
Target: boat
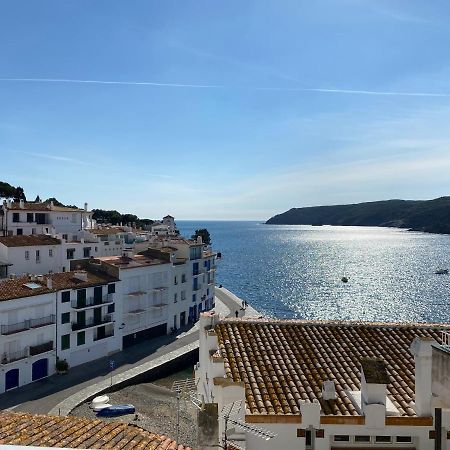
(100, 406)
(100, 400)
(116, 410)
(344, 279)
(441, 272)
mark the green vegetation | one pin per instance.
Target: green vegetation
(431, 216)
(115, 218)
(9, 191)
(204, 233)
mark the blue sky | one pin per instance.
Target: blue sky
(246, 108)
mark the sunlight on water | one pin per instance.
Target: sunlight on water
(296, 271)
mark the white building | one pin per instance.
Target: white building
(67, 315)
(26, 218)
(328, 385)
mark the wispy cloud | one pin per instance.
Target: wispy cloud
(58, 158)
(216, 86)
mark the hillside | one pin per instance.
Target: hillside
(431, 216)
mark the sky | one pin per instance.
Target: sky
(225, 110)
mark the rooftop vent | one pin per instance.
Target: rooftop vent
(328, 390)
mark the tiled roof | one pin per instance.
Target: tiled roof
(78, 432)
(12, 289)
(44, 206)
(283, 362)
(125, 262)
(26, 241)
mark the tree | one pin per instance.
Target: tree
(38, 199)
(19, 194)
(204, 233)
(6, 190)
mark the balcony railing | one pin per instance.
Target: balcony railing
(27, 324)
(41, 348)
(92, 301)
(14, 356)
(106, 335)
(92, 322)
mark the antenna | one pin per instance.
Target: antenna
(233, 409)
(186, 389)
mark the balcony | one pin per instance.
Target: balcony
(91, 322)
(196, 273)
(27, 325)
(105, 336)
(41, 348)
(14, 356)
(160, 288)
(135, 311)
(92, 302)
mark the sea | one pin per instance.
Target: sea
(295, 271)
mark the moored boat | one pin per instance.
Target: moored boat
(116, 410)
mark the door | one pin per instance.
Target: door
(81, 298)
(97, 315)
(98, 295)
(182, 319)
(81, 319)
(11, 379)
(101, 333)
(39, 369)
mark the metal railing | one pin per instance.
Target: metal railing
(92, 301)
(92, 322)
(106, 335)
(27, 324)
(41, 348)
(14, 356)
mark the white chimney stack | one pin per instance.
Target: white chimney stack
(85, 206)
(422, 352)
(81, 275)
(21, 204)
(49, 283)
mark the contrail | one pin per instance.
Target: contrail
(218, 86)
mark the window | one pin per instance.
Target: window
(96, 248)
(383, 438)
(19, 231)
(50, 253)
(65, 317)
(183, 278)
(16, 217)
(362, 438)
(308, 438)
(194, 298)
(33, 231)
(175, 281)
(81, 338)
(81, 298)
(27, 255)
(183, 295)
(111, 308)
(38, 256)
(87, 252)
(65, 296)
(65, 341)
(341, 438)
(65, 237)
(175, 298)
(30, 217)
(111, 288)
(403, 439)
(70, 253)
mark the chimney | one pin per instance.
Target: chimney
(208, 427)
(199, 240)
(374, 380)
(85, 206)
(422, 352)
(49, 283)
(9, 203)
(21, 204)
(52, 205)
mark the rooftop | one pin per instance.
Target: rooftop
(27, 241)
(282, 362)
(131, 262)
(17, 288)
(78, 432)
(44, 207)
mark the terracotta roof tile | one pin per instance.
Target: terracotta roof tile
(43, 206)
(78, 432)
(283, 362)
(27, 241)
(15, 288)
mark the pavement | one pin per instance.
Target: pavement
(61, 393)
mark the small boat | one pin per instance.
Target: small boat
(441, 272)
(100, 400)
(344, 279)
(117, 410)
(98, 407)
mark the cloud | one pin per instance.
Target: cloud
(216, 86)
(58, 158)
